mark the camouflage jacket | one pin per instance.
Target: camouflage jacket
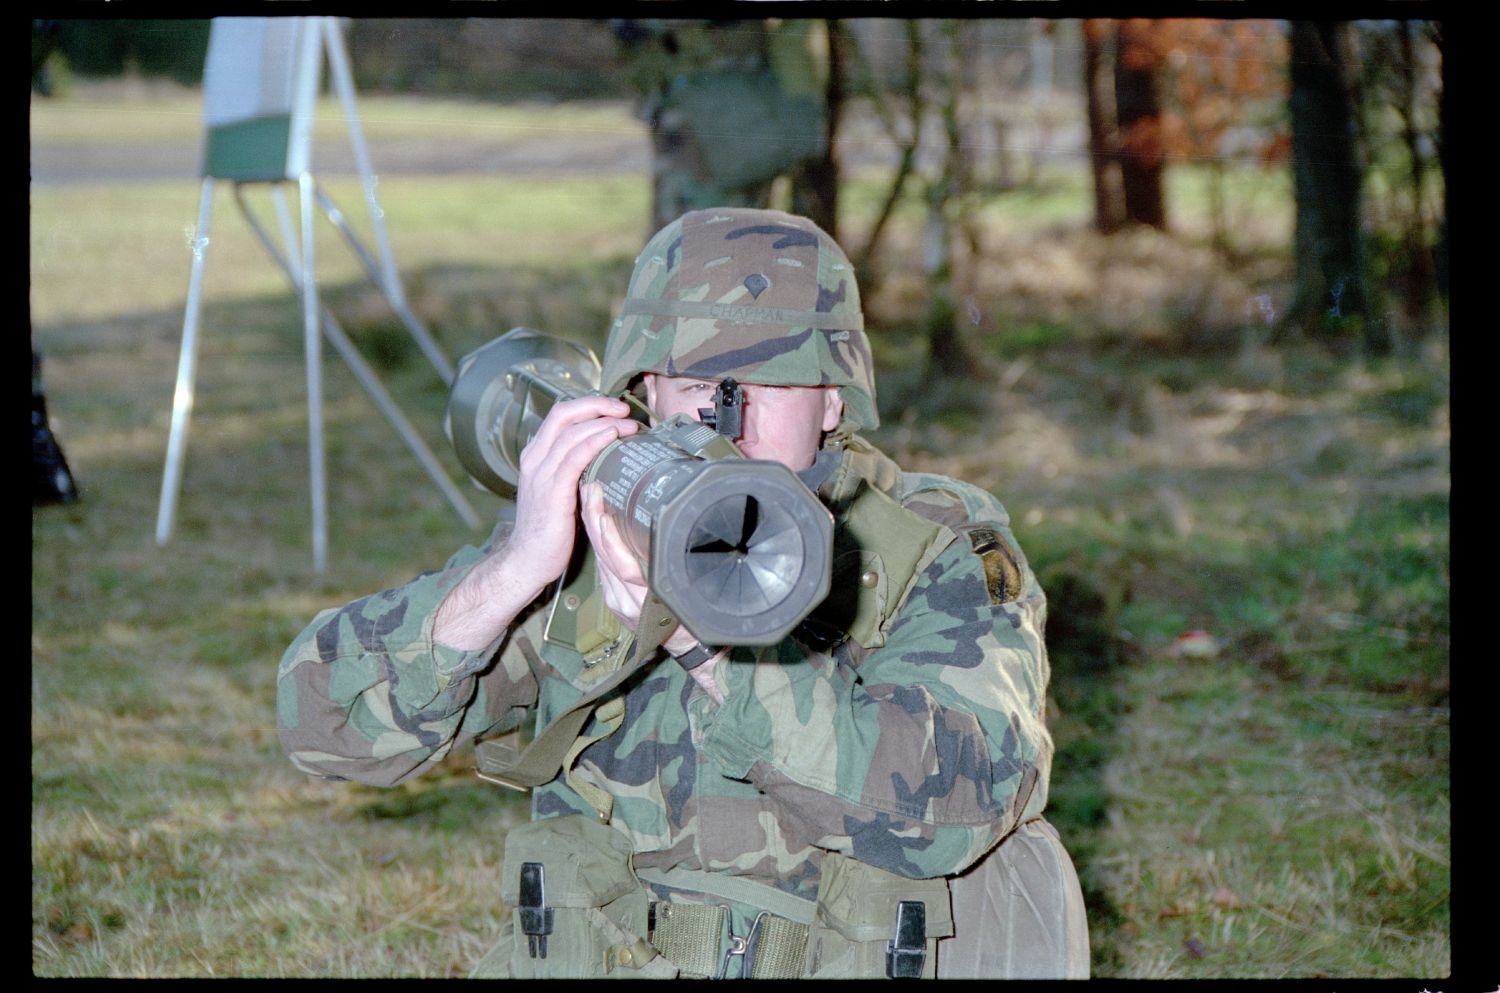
(915, 754)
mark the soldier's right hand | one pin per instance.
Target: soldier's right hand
(485, 603)
(570, 438)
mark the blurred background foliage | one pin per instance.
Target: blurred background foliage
(982, 105)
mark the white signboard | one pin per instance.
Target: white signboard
(260, 81)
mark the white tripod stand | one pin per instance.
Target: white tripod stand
(260, 82)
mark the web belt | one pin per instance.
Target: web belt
(691, 934)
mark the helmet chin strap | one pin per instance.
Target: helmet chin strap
(726, 416)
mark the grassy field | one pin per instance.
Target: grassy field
(1274, 803)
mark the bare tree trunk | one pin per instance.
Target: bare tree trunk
(1442, 149)
(1138, 110)
(1040, 49)
(1217, 209)
(947, 354)
(961, 80)
(1109, 198)
(1331, 302)
(1420, 281)
(908, 146)
(815, 184)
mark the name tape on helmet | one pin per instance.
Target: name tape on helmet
(738, 314)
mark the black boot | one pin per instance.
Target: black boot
(52, 481)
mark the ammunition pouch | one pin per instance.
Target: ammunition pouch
(577, 909)
(580, 911)
(873, 924)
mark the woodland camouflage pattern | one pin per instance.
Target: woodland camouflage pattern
(750, 263)
(912, 743)
(915, 756)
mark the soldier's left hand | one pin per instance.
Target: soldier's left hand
(621, 575)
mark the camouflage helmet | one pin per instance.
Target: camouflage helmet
(761, 295)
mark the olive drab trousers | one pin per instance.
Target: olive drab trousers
(1018, 913)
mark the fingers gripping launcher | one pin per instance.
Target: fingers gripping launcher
(740, 550)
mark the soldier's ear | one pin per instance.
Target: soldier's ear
(833, 408)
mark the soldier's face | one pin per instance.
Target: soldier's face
(784, 423)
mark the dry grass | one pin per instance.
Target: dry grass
(280, 877)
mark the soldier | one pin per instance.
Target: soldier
(731, 105)
(863, 799)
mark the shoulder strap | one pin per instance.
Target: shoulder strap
(579, 620)
(539, 762)
(880, 548)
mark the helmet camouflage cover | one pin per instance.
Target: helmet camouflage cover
(760, 295)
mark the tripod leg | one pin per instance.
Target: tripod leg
(313, 343)
(387, 405)
(362, 371)
(389, 284)
(187, 364)
(387, 278)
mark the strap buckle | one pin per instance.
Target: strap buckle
(742, 948)
(906, 953)
(533, 914)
